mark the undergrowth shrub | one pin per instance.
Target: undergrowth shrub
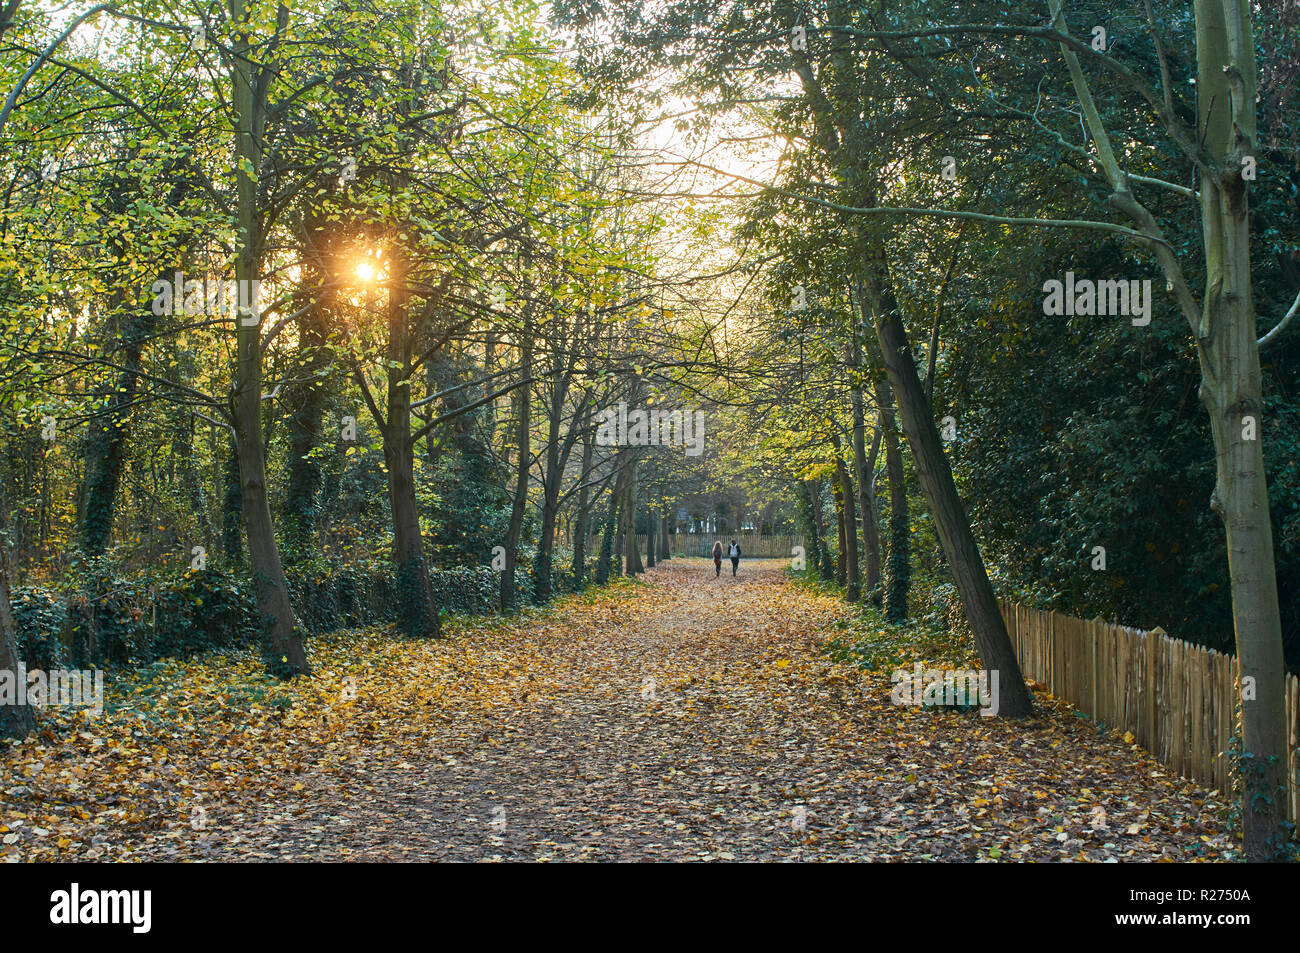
(105, 618)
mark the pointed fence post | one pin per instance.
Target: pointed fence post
(1153, 652)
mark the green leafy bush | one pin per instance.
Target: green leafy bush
(135, 622)
(39, 621)
(202, 610)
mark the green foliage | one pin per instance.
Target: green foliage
(867, 639)
(332, 593)
(469, 511)
(935, 633)
(40, 618)
(898, 568)
(200, 611)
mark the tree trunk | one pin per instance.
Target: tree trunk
(417, 611)
(866, 472)
(232, 510)
(306, 405)
(1231, 391)
(106, 446)
(950, 520)
(808, 517)
(665, 544)
(1228, 352)
(582, 520)
(898, 585)
(651, 532)
(870, 502)
(552, 478)
(192, 480)
(107, 443)
(852, 592)
(841, 564)
(631, 554)
(286, 655)
(523, 445)
(619, 507)
(606, 560)
(546, 545)
(16, 721)
(824, 567)
(1241, 498)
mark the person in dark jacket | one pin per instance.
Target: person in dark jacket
(734, 553)
(717, 559)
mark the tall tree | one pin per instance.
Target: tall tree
(286, 654)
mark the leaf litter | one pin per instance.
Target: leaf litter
(679, 717)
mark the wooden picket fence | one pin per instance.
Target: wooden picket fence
(701, 544)
(1178, 699)
(752, 545)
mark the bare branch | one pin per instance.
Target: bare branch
(1269, 338)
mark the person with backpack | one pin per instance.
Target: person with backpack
(734, 553)
(717, 559)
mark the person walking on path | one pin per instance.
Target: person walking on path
(734, 553)
(717, 559)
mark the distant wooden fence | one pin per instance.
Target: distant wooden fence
(701, 544)
(1178, 699)
(753, 547)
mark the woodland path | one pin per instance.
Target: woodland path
(679, 718)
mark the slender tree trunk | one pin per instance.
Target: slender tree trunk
(841, 558)
(582, 521)
(192, 481)
(824, 566)
(837, 118)
(107, 443)
(852, 591)
(232, 510)
(866, 472)
(651, 532)
(523, 445)
(546, 545)
(286, 655)
(605, 563)
(630, 552)
(871, 502)
(951, 524)
(16, 721)
(812, 529)
(417, 611)
(620, 510)
(306, 404)
(552, 478)
(899, 583)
